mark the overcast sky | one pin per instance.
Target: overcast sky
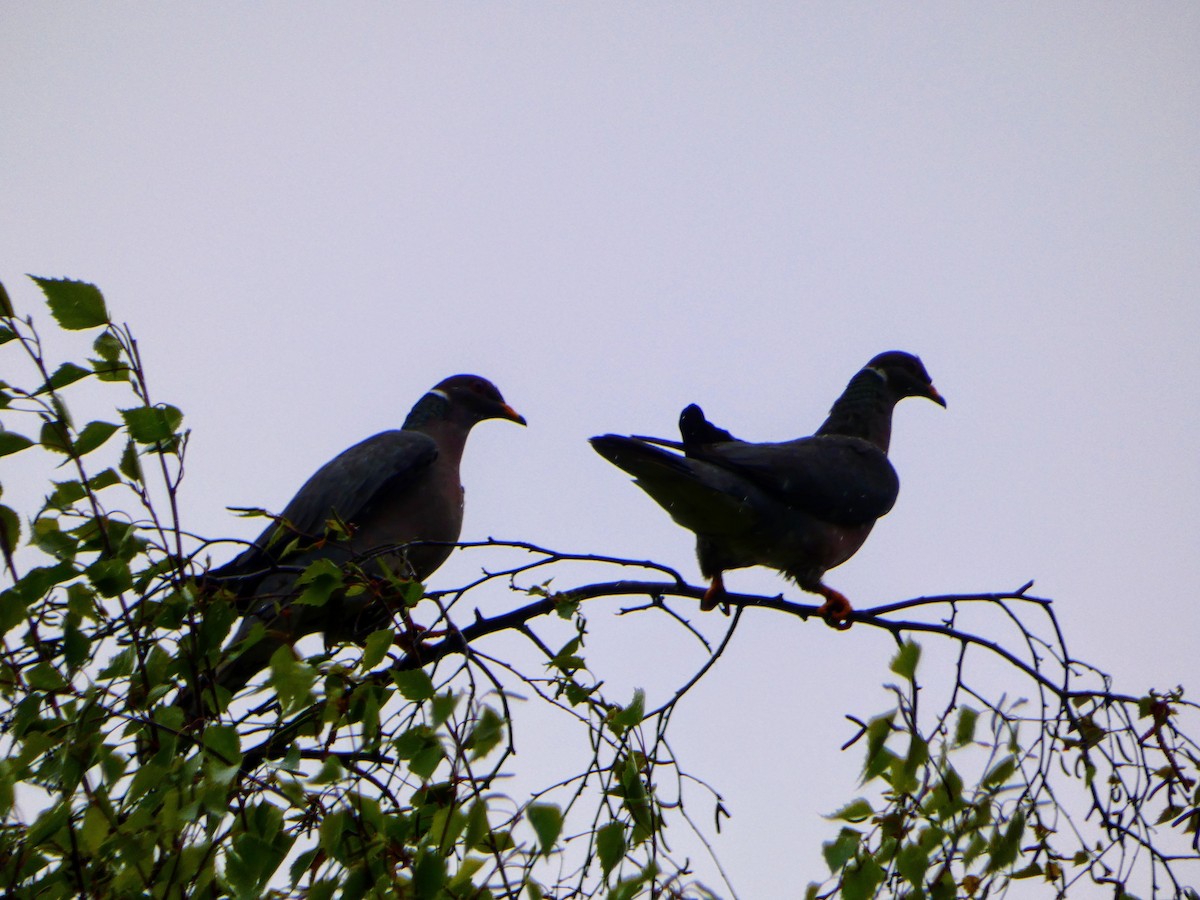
(310, 216)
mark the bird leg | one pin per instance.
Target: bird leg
(714, 595)
(836, 609)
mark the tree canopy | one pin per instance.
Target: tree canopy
(381, 769)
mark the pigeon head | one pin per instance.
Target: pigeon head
(905, 376)
(865, 408)
(463, 400)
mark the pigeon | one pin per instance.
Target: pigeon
(398, 490)
(802, 506)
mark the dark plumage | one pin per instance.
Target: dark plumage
(803, 506)
(396, 488)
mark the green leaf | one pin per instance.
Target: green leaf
(44, 677)
(477, 826)
(904, 774)
(620, 720)
(425, 763)
(331, 772)
(106, 371)
(443, 707)
(567, 660)
(325, 889)
(302, 863)
(566, 604)
(466, 871)
(256, 853)
(1000, 772)
(65, 493)
(879, 757)
(633, 790)
(152, 424)
(943, 888)
(111, 365)
(320, 579)
(292, 680)
(964, 726)
(1090, 733)
(912, 862)
(7, 785)
(130, 465)
(375, 648)
(107, 347)
(47, 824)
(111, 577)
(10, 531)
(11, 442)
(1006, 845)
(610, 846)
(6, 307)
(575, 692)
(414, 684)
(332, 830)
(859, 882)
(75, 305)
(364, 708)
(101, 480)
(119, 666)
(223, 756)
(38, 581)
(67, 373)
(946, 797)
(486, 734)
(215, 626)
(429, 874)
(904, 663)
(631, 888)
(420, 746)
(1170, 812)
(841, 850)
(547, 820)
(76, 646)
(94, 434)
(55, 437)
(858, 810)
(12, 610)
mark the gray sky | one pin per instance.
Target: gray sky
(310, 217)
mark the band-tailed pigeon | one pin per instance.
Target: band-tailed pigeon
(394, 489)
(802, 506)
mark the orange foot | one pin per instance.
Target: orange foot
(836, 610)
(714, 595)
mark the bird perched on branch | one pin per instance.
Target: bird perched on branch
(803, 506)
(399, 489)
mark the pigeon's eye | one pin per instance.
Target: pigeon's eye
(483, 388)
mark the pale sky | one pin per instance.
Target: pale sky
(309, 216)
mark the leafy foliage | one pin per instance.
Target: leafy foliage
(377, 770)
(366, 772)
